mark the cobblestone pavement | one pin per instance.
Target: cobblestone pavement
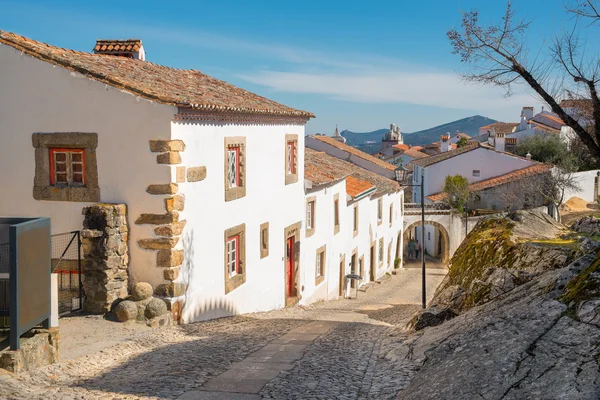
(360, 355)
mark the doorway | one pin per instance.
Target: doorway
(290, 287)
(342, 276)
(372, 263)
(353, 270)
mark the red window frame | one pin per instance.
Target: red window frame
(292, 158)
(236, 239)
(63, 150)
(237, 164)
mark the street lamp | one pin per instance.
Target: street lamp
(401, 176)
(455, 200)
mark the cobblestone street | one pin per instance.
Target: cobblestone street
(345, 349)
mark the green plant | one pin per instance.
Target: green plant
(397, 263)
(462, 142)
(456, 188)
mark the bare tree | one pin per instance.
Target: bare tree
(498, 56)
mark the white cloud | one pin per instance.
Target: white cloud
(439, 89)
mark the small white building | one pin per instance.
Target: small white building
(212, 175)
(353, 225)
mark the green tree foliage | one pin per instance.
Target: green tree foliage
(462, 142)
(549, 149)
(456, 188)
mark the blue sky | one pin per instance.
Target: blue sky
(358, 64)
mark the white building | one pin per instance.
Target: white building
(353, 225)
(212, 175)
(489, 167)
(343, 151)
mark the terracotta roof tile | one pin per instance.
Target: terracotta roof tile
(401, 147)
(117, 46)
(182, 88)
(513, 176)
(352, 150)
(325, 169)
(355, 187)
(415, 153)
(434, 159)
(503, 127)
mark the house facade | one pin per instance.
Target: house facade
(353, 226)
(214, 226)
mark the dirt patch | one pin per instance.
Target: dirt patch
(575, 204)
(87, 334)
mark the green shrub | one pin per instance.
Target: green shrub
(397, 263)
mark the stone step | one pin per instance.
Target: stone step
(365, 287)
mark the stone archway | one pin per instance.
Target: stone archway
(445, 253)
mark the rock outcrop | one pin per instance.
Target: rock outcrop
(523, 329)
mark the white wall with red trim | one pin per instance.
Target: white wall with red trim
(36, 96)
(208, 215)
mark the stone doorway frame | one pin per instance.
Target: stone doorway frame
(445, 255)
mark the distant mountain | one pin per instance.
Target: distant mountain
(469, 125)
(371, 141)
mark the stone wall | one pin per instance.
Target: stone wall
(106, 258)
(39, 347)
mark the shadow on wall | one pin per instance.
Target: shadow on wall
(196, 307)
(207, 350)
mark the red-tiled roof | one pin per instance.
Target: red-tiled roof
(415, 153)
(352, 150)
(434, 159)
(325, 169)
(182, 88)
(117, 46)
(401, 147)
(355, 187)
(503, 127)
(532, 170)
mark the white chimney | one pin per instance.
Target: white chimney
(445, 144)
(392, 128)
(528, 111)
(528, 156)
(523, 124)
(492, 134)
(499, 142)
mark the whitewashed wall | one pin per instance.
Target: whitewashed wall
(586, 181)
(324, 235)
(267, 199)
(490, 164)
(39, 97)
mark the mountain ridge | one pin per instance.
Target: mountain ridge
(371, 141)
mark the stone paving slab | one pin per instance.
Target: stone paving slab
(283, 366)
(242, 380)
(201, 395)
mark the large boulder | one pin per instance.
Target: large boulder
(155, 308)
(141, 291)
(588, 225)
(126, 310)
(431, 317)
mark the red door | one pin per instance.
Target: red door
(290, 267)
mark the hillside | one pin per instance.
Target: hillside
(371, 141)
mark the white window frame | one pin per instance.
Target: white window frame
(319, 266)
(233, 253)
(235, 151)
(310, 215)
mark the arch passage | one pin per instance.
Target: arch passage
(445, 238)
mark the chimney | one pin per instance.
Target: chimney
(130, 48)
(528, 111)
(392, 127)
(523, 124)
(499, 142)
(528, 156)
(445, 144)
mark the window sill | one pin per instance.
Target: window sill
(291, 178)
(234, 282)
(235, 193)
(66, 193)
(319, 280)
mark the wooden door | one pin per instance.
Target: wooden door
(290, 268)
(342, 277)
(372, 263)
(353, 270)
(361, 267)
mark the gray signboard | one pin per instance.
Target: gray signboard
(29, 274)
